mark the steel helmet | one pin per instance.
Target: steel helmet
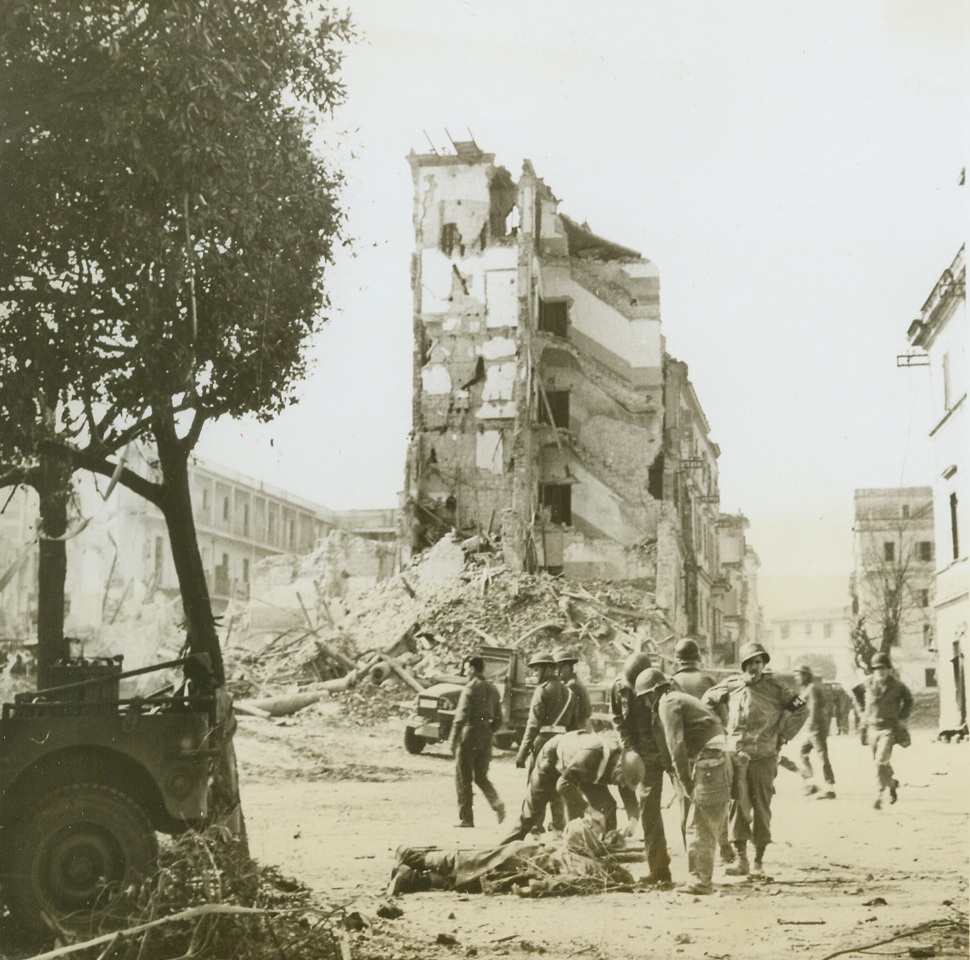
(629, 769)
(805, 670)
(687, 650)
(566, 656)
(542, 659)
(880, 660)
(649, 680)
(634, 665)
(751, 650)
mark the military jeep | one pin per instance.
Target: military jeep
(436, 705)
(86, 780)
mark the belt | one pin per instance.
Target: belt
(553, 728)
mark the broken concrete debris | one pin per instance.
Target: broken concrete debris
(374, 649)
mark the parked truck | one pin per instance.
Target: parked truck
(436, 705)
(86, 780)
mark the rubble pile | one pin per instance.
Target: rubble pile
(374, 649)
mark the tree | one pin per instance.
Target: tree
(889, 588)
(163, 225)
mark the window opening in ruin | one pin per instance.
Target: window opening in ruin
(558, 498)
(502, 195)
(554, 317)
(450, 238)
(557, 405)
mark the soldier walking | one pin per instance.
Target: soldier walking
(477, 717)
(887, 703)
(816, 733)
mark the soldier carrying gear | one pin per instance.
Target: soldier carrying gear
(886, 706)
(632, 719)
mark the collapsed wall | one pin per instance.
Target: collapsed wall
(538, 377)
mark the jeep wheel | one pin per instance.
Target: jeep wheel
(412, 742)
(73, 856)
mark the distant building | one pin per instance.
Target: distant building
(892, 582)
(123, 553)
(941, 331)
(545, 409)
(819, 636)
(740, 608)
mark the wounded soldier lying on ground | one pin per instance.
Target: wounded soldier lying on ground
(583, 861)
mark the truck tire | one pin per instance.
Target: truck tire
(72, 857)
(412, 742)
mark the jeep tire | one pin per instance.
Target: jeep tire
(412, 742)
(72, 857)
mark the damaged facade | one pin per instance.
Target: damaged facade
(546, 412)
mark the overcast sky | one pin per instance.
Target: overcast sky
(791, 168)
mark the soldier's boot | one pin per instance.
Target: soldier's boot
(727, 853)
(758, 867)
(741, 868)
(893, 787)
(499, 809)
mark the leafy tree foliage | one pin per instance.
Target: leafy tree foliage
(164, 221)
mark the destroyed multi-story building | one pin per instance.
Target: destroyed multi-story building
(546, 411)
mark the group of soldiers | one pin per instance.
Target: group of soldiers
(719, 741)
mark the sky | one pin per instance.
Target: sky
(791, 168)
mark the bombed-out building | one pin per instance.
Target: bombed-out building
(546, 412)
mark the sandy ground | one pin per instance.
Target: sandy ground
(328, 804)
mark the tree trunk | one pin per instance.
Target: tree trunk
(176, 506)
(53, 489)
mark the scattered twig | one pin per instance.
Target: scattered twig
(912, 932)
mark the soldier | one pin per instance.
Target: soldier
(887, 703)
(694, 750)
(758, 708)
(566, 661)
(632, 719)
(578, 767)
(550, 710)
(477, 717)
(688, 676)
(816, 733)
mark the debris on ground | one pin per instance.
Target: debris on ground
(373, 648)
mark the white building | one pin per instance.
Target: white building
(820, 636)
(941, 331)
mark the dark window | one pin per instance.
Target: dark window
(931, 676)
(554, 316)
(225, 508)
(954, 536)
(889, 551)
(923, 597)
(927, 635)
(924, 551)
(558, 497)
(556, 402)
(905, 511)
(449, 238)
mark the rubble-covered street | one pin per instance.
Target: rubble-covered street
(328, 801)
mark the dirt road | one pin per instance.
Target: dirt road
(328, 804)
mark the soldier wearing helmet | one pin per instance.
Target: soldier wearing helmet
(566, 661)
(694, 751)
(550, 710)
(887, 703)
(578, 767)
(762, 716)
(632, 719)
(817, 722)
(688, 676)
